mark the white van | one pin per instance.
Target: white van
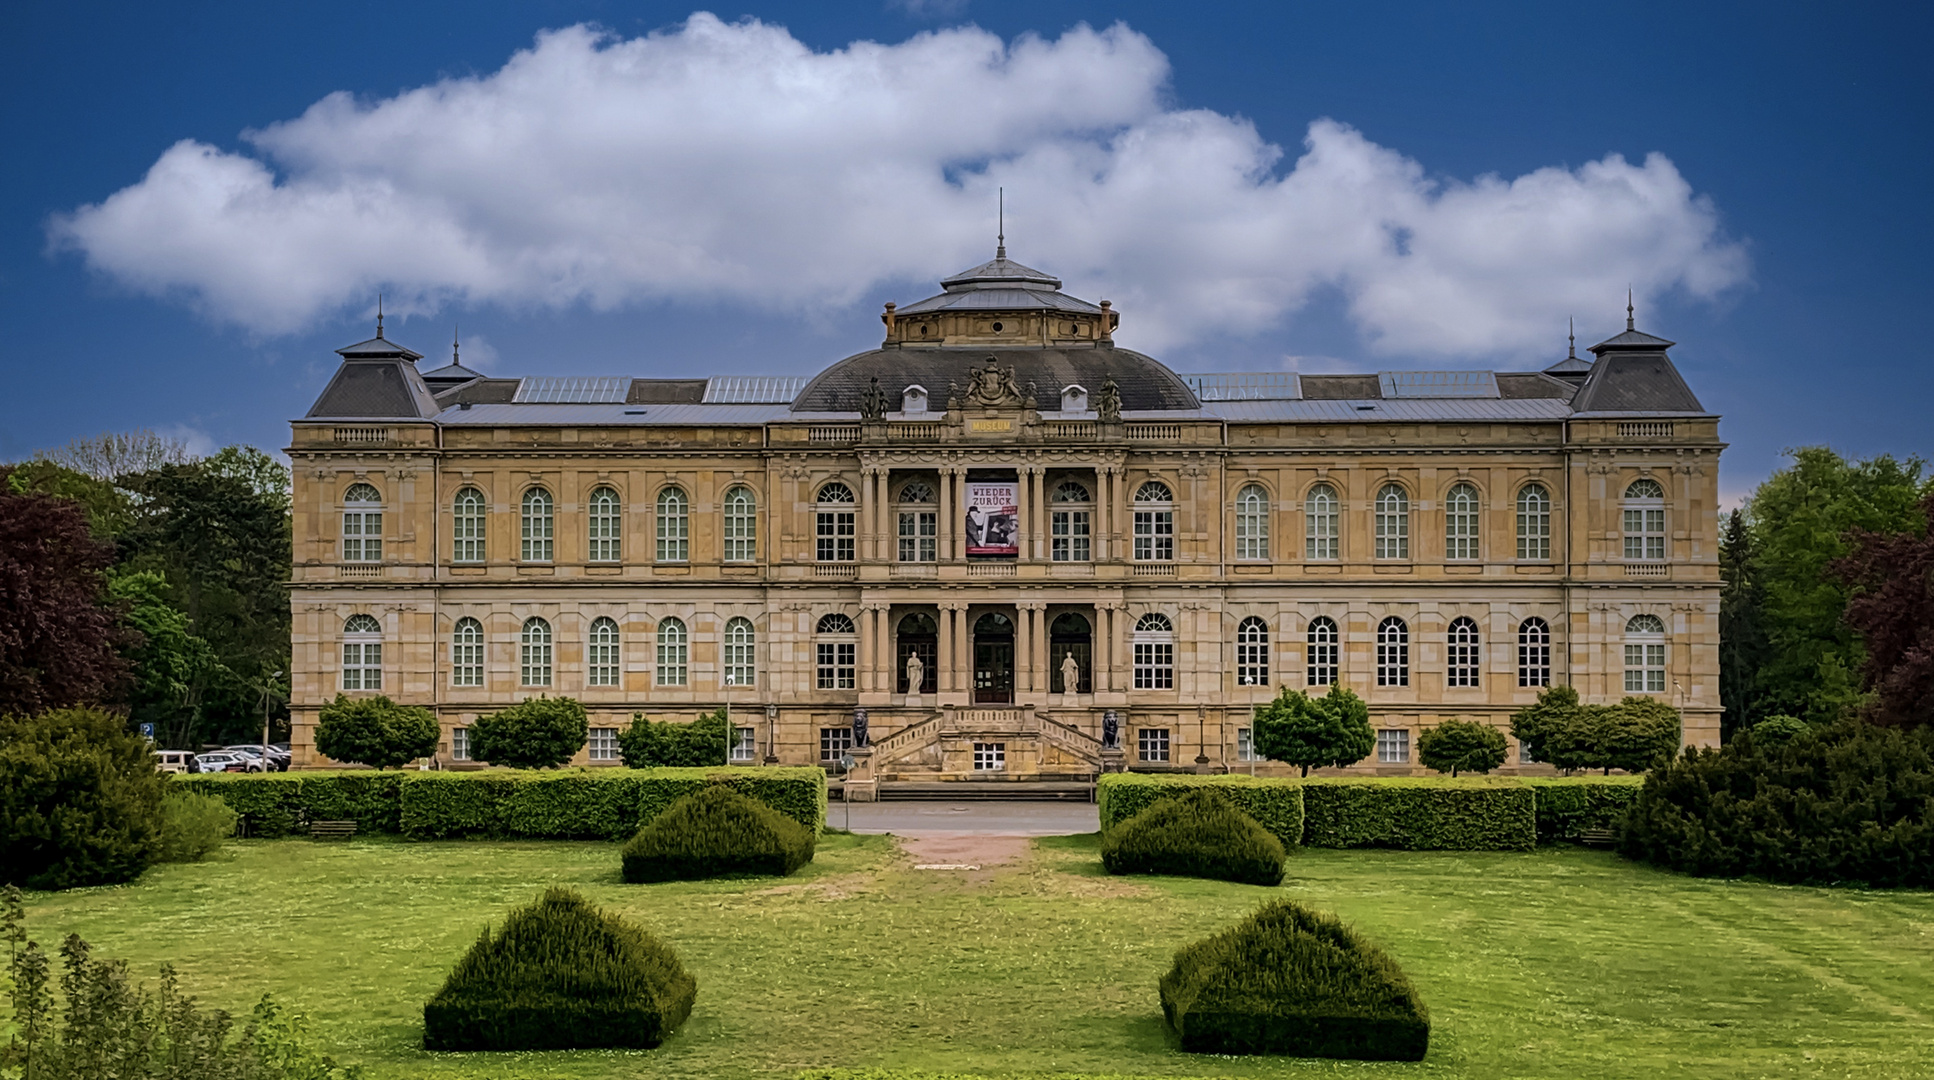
(175, 761)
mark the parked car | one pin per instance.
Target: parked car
(175, 761)
(278, 759)
(228, 761)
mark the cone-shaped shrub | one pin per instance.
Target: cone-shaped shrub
(1288, 980)
(713, 833)
(561, 975)
(1194, 835)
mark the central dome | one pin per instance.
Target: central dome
(1000, 302)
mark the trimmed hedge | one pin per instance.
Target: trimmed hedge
(1568, 807)
(715, 833)
(561, 975)
(1196, 834)
(1289, 980)
(1420, 814)
(602, 804)
(1276, 803)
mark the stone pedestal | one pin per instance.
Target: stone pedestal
(1113, 760)
(862, 784)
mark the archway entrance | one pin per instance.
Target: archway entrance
(1071, 636)
(918, 636)
(993, 660)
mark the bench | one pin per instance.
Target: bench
(332, 830)
(1597, 837)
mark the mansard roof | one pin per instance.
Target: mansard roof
(378, 380)
(1001, 284)
(1145, 383)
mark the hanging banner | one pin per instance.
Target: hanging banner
(993, 518)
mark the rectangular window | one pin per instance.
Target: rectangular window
(1245, 745)
(834, 742)
(1252, 661)
(741, 531)
(362, 666)
(466, 663)
(674, 531)
(604, 534)
(1155, 536)
(1393, 747)
(1393, 534)
(1645, 534)
(836, 665)
(1152, 743)
(919, 535)
(460, 744)
(1460, 534)
(1319, 529)
(990, 756)
(1072, 541)
(362, 537)
(743, 746)
(1645, 669)
(1534, 661)
(1154, 665)
(603, 744)
(602, 666)
(1534, 530)
(834, 536)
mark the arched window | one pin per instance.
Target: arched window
(674, 527)
(362, 524)
(674, 652)
(918, 635)
(1154, 652)
(833, 524)
(741, 525)
(535, 653)
(1323, 645)
(1154, 523)
(1534, 653)
(1252, 652)
(1071, 523)
(1645, 521)
(1463, 658)
(741, 664)
(1252, 523)
(605, 522)
(537, 524)
(362, 653)
(1393, 653)
(919, 533)
(466, 653)
(836, 651)
(1393, 523)
(1460, 522)
(601, 660)
(1070, 635)
(1645, 655)
(1534, 523)
(467, 526)
(1319, 523)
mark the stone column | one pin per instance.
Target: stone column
(945, 539)
(1038, 659)
(964, 648)
(1024, 506)
(945, 656)
(866, 508)
(1100, 656)
(1041, 518)
(959, 483)
(865, 658)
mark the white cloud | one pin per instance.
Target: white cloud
(730, 162)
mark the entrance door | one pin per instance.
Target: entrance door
(993, 660)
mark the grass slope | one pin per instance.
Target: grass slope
(1561, 962)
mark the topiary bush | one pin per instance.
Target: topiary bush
(1288, 980)
(1197, 834)
(1850, 803)
(1314, 732)
(1275, 802)
(375, 731)
(714, 833)
(561, 975)
(1420, 814)
(193, 826)
(1460, 746)
(537, 733)
(702, 742)
(80, 800)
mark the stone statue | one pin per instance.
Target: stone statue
(873, 402)
(1108, 402)
(953, 397)
(916, 673)
(1070, 675)
(859, 729)
(1030, 402)
(1110, 730)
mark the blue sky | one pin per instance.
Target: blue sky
(1257, 186)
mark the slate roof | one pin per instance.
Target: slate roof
(388, 389)
(1644, 382)
(1145, 383)
(375, 348)
(1001, 284)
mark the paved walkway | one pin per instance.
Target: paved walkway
(968, 818)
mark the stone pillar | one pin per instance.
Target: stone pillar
(945, 539)
(1038, 659)
(945, 654)
(865, 658)
(964, 648)
(1023, 650)
(959, 483)
(1042, 516)
(1024, 506)
(866, 508)
(1100, 656)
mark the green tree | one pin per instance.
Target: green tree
(1799, 523)
(1456, 746)
(1552, 728)
(1315, 732)
(1634, 735)
(170, 664)
(375, 731)
(537, 733)
(80, 800)
(704, 741)
(1742, 634)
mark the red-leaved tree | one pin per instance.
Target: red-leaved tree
(58, 640)
(1892, 576)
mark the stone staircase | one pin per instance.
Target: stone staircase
(941, 749)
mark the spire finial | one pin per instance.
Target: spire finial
(1628, 310)
(456, 335)
(1000, 239)
(379, 316)
(1571, 333)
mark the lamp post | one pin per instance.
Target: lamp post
(266, 691)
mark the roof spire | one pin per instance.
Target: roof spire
(455, 336)
(1000, 239)
(1628, 309)
(1571, 333)
(379, 316)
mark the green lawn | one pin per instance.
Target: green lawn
(1562, 963)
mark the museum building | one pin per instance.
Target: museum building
(1003, 548)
